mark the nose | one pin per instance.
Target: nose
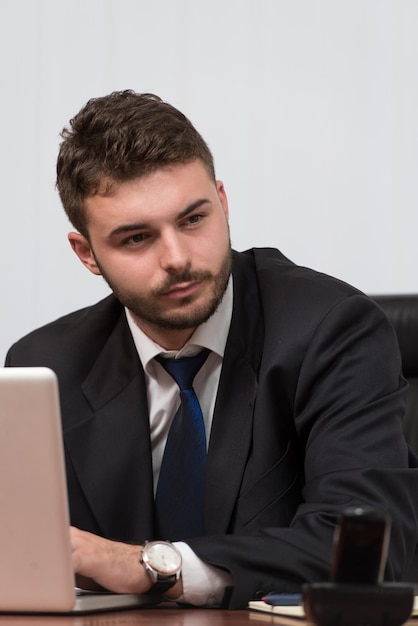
(174, 252)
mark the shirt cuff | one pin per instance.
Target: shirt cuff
(203, 584)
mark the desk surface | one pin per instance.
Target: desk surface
(161, 616)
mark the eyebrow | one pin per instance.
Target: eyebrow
(128, 228)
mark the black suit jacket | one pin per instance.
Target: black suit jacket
(307, 422)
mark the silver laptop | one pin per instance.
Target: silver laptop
(36, 573)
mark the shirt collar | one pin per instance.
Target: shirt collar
(211, 334)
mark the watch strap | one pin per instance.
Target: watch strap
(161, 586)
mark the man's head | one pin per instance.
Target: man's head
(118, 138)
(138, 183)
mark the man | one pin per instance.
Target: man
(301, 393)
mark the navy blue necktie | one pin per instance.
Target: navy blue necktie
(179, 501)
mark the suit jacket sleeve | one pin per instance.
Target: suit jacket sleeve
(347, 402)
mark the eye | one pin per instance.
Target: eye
(137, 238)
(134, 240)
(193, 219)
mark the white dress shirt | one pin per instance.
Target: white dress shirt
(202, 583)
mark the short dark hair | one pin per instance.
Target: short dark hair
(117, 138)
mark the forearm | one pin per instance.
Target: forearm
(117, 566)
(111, 564)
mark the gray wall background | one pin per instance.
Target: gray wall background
(309, 106)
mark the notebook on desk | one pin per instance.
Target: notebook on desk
(296, 610)
(36, 573)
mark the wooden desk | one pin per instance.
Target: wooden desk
(161, 616)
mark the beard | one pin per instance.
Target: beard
(186, 315)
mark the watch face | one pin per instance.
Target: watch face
(163, 557)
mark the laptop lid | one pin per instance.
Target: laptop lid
(36, 573)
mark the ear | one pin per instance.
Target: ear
(83, 250)
(222, 197)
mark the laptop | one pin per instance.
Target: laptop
(36, 574)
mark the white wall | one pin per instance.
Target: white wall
(310, 108)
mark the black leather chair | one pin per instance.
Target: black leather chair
(402, 311)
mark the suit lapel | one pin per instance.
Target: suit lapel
(231, 433)
(229, 440)
(110, 447)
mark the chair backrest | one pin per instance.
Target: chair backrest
(402, 311)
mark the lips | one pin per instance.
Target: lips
(182, 290)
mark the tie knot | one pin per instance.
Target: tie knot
(184, 370)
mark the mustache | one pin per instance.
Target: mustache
(186, 276)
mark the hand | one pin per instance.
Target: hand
(113, 565)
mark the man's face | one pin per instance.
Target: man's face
(162, 244)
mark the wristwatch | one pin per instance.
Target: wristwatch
(162, 562)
